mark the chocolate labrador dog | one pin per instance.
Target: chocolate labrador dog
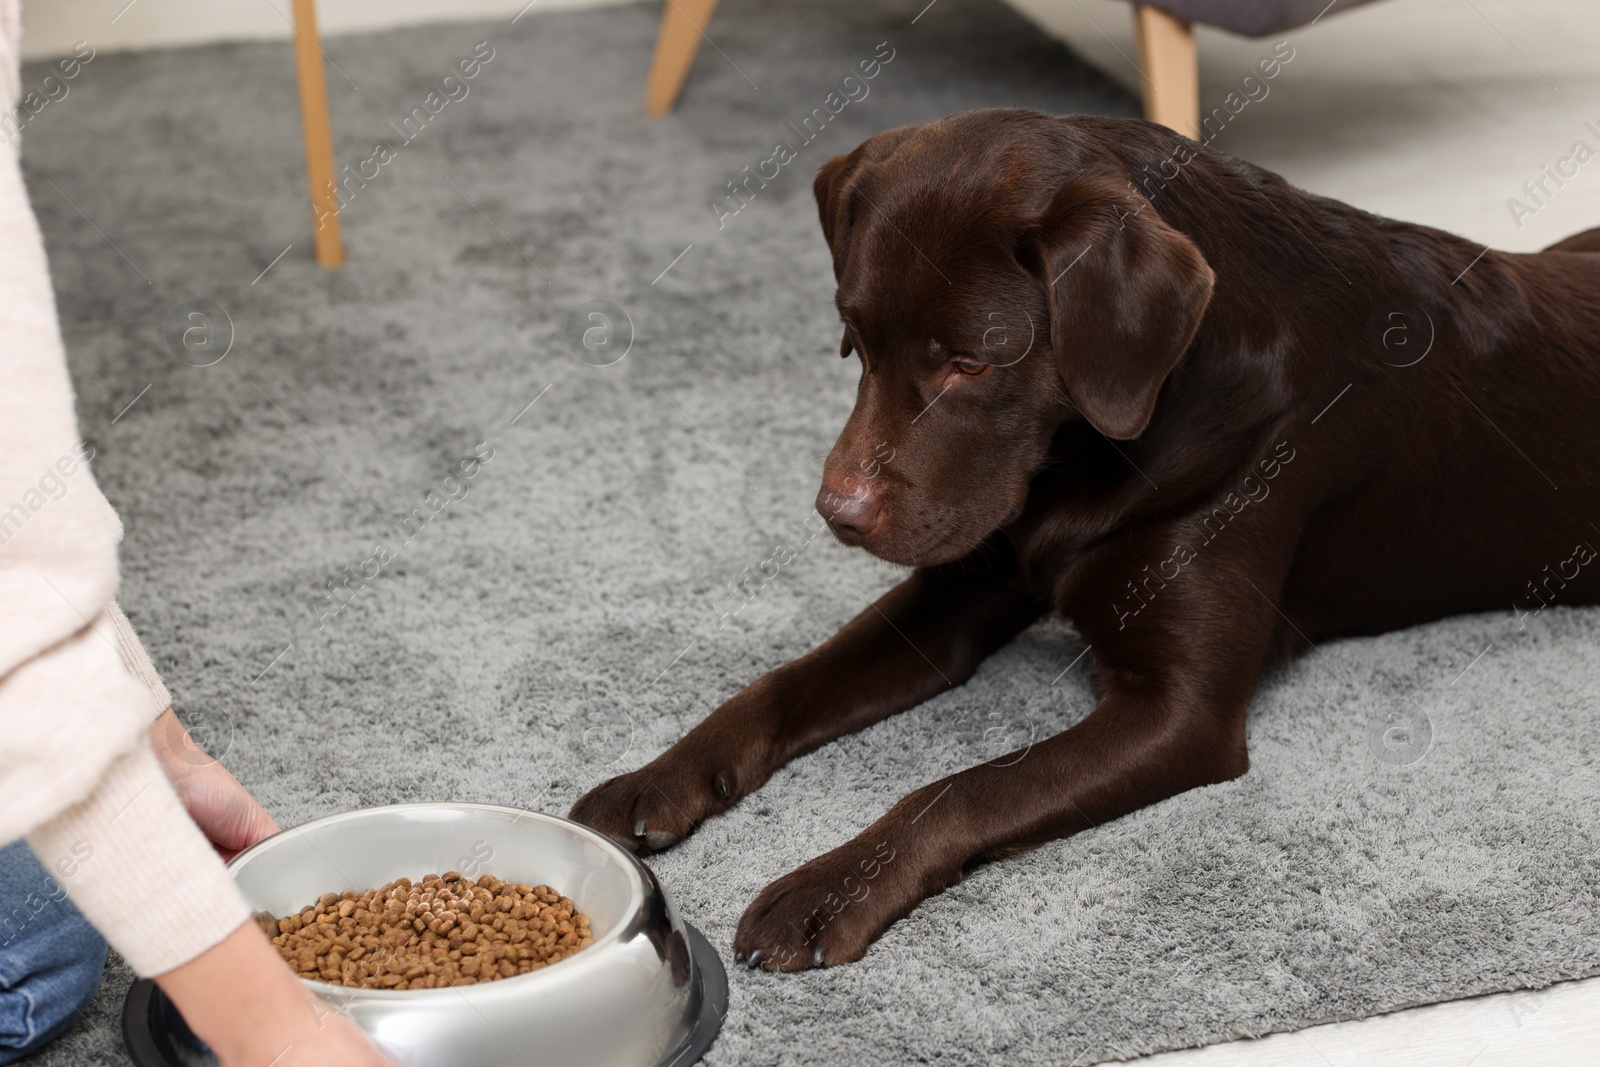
(1207, 417)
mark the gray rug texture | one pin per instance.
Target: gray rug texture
(1420, 821)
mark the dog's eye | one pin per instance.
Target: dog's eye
(969, 366)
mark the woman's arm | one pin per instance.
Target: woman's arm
(241, 1000)
(78, 774)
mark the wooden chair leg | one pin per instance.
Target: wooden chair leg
(318, 135)
(1170, 69)
(683, 23)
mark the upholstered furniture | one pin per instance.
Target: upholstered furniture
(1168, 67)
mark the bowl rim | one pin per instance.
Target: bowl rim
(640, 886)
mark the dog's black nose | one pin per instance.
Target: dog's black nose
(853, 516)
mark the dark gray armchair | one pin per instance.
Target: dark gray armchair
(1170, 71)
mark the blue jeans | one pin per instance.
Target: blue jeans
(50, 957)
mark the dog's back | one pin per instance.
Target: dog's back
(1587, 241)
(1490, 498)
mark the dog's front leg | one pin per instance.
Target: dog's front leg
(926, 634)
(1170, 717)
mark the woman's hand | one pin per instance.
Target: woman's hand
(240, 998)
(223, 809)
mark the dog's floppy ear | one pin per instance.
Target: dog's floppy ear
(832, 200)
(835, 187)
(829, 187)
(836, 184)
(1126, 294)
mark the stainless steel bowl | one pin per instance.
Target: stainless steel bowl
(648, 991)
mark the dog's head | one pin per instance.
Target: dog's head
(998, 275)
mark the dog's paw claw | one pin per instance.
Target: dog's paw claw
(825, 913)
(628, 844)
(649, 809)
(656, 840)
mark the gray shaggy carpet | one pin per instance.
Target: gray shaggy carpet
(1420, 819)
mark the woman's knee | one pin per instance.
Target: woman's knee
(51, 959)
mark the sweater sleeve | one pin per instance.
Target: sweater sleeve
(77, 775)
(137, 660)
(138, 869)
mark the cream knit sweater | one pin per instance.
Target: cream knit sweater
(77, 774)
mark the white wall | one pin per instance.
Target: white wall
(50, 27)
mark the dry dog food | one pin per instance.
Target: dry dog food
(445, 930)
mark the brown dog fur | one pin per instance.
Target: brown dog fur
(1206, 416)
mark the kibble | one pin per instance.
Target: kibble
(445, 930)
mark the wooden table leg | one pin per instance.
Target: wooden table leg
(1170, 69)
(318, 135)
(683, 23)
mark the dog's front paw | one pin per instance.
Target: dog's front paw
(827, 911)
(655, 806)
